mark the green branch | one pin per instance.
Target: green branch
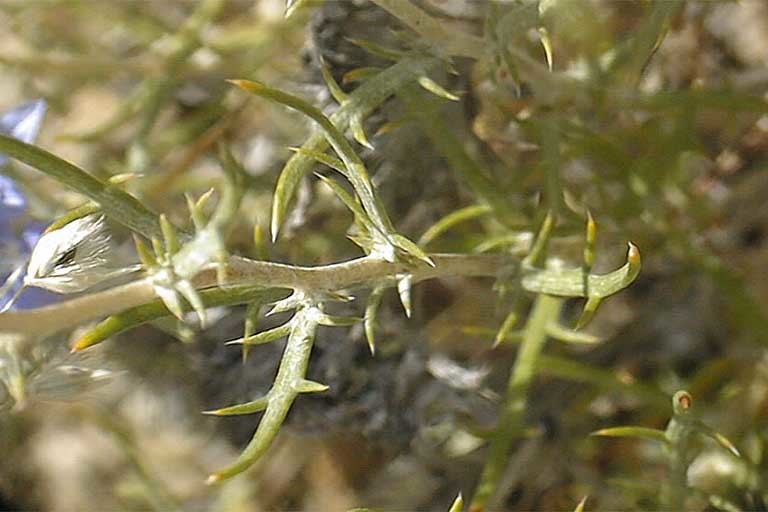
(370, 95)
(38, 323)
(114, 202)
(546, 310)
(289, 382)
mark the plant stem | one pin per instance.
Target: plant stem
(679, 433)
(285, 389)
(115, 203)
(369, 96)
(546, 309)
(41, 322)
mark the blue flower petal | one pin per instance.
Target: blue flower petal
(14, 252)
(12, 200)
(23, 122)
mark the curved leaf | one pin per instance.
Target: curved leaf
(134, 317)
(114, 202)
(361, 102)
(354, 169)
(255, 406)
(452, 219)
(577, 283)
(371, 311)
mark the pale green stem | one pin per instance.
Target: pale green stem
(285, 389)
(546, 309)
(679, 433)
(549, 136)
(41, 322)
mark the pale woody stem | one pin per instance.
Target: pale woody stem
(41, 322)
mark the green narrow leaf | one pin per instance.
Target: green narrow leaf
(358, 132)
(457, 505)
(546, 42)
(430, 85)
(349, 201)
(172, 300)
(580, 506)
(15, 379)
(335, 136)
(359, 74)
(518, 243)
(404, 291)
(603, 379)
(536, 256)
(576, 283)
(310, 386)
(412, 249)
(255, 406)
(518, 20)
(264, 336)
(147, 257)
(232, 193)
(451, 220)
(636, 432)
(548, 134)
(324, 158)
(506, 327)
(354, 168)
(333, 86)
(159, 249)
(377, 49)
(371, 311)
(567, 335)
(197, 209)
(292, 370)
(203, 200)
(339, 321)
(591, 240)
(361, 102)
(74, 214)
(261, 250)
(249, 326)
(632, 57)
(169, 235)
(718, 438)
(391, 126)
(189, 292)
(114, 202)
(588, 312)
(138, 315)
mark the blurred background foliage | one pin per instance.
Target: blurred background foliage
(654, 118)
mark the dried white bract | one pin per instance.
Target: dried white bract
(74, 257)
